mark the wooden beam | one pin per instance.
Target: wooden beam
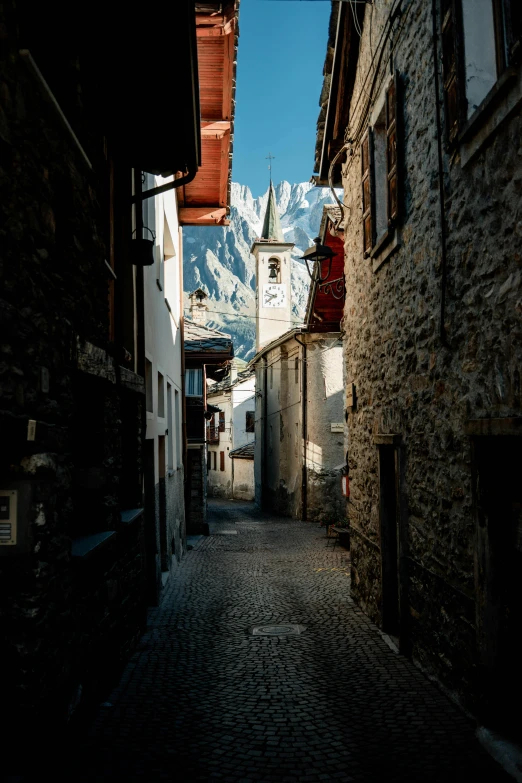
(209, 32)
(212, 19)
(215, 130)
(228, 69)
(203, 216)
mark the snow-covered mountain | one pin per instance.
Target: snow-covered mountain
(219, 260)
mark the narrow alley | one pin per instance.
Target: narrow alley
(203, 698)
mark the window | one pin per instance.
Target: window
(296, 370)
(379, 173)
(194, 383)
(271, 376)
(221, 427)
(161, 396)
(148, 386)
(480, 39)
(250, 421)
(214, 459)
(222, 460)
(209, 459)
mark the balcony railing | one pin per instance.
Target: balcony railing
(212, 434)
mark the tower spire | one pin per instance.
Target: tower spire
(272, 224)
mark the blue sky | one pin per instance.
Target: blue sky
(282, 46)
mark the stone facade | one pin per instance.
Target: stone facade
(433, 341)
(72, 589)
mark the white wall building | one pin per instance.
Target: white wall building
(230, 466)
(163, 287)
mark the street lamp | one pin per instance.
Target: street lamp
(318, 253)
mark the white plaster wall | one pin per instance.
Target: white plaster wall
(273, 321)
(243, 488)
(243, 400)
(220, 481)
(325, 402)
(163, 344)
(324, 448)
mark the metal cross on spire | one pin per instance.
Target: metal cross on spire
(270, 157)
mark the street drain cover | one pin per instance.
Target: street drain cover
(277, 630)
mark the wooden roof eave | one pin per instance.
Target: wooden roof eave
(346, 53)
(214, 179)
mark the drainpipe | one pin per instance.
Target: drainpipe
(183, 372)
(443, 256)
(151, 192)
(304, 477)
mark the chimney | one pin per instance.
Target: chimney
(198, 308)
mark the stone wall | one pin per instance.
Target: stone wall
(68, 620)
(408, 380)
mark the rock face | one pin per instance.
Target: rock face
(219, 259)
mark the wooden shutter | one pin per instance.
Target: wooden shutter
(392, 178)
(452, 67)
(367, 191)
(221, 421)
(222, 460)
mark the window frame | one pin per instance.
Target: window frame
(189, 373)
(250, 427)
(388, 185)
(507, 40)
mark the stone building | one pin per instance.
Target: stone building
(79, 558)
(421, 124)
(299, 395)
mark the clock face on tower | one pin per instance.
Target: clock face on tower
(274, 295)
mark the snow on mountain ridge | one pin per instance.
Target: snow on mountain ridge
(219, 259)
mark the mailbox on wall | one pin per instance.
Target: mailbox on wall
(8, 517)
(15, 512)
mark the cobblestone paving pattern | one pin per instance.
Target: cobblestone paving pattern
(203, 700)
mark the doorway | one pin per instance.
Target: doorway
(498, 502)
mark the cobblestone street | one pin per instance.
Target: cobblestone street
(204, 699)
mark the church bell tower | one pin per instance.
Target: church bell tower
(273, 277)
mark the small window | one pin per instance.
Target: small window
(149, 404)
(222, 460)
(480, 39)
(161, 396)
(379, 173)
(194, 383)
(221, 427)
(271, 376)
(209, 459)
(214, 458)
(250, 421)
(296, 370)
